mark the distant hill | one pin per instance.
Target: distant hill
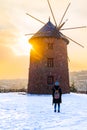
(80, 80)
(13, 84)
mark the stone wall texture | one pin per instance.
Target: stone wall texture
(38, 69)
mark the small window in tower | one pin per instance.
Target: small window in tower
(50, 80)
(50, 45)
(50, 62)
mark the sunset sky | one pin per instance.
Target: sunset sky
(14, 24)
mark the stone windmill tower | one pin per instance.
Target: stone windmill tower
(48, 58)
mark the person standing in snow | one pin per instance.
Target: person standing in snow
(57, 95)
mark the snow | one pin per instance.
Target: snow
(36, 112)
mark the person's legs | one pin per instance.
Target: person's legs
(58, 107)
(55, 107)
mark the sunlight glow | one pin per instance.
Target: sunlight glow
(22, 47)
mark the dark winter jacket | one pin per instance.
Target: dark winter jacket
(60, 92)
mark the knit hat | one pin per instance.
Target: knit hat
(56, 83)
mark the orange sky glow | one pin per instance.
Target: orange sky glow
(14, 24)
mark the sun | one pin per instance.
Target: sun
(22, 47)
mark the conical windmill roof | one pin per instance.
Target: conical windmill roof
(48, 30)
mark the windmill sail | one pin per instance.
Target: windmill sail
(73, 40)
(52, 13)
(63, 15)
(35, 18)
(59, 27)
(74, 28)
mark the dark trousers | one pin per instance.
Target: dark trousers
(55, 105)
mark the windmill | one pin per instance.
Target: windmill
(48, 59)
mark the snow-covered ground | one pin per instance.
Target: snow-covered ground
(35, 112)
